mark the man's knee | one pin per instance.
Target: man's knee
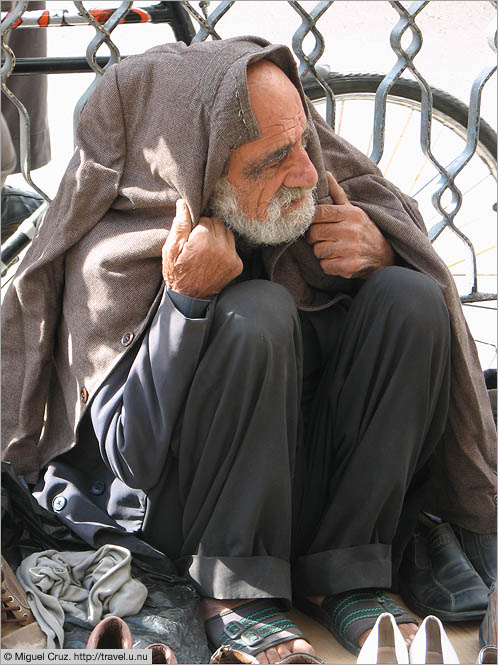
(256, 311)
(410, 295)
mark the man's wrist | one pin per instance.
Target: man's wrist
(191, 308)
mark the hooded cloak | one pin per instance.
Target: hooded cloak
(160, 126)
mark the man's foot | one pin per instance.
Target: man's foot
(408, 630)
(350, 616)
(212, 608)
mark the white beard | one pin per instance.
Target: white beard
(280, 226)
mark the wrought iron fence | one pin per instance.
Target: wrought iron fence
(183, 16)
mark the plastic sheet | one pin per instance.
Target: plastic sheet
(170, 613)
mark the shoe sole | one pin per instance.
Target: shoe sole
(424, 610)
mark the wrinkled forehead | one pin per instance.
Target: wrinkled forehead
(231, 106)
(275, 108)
(275, 94)
(274, 100)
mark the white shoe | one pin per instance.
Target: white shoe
(385, 644)
(431, 644)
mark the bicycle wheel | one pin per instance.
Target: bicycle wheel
(404, 163)
(405, 90)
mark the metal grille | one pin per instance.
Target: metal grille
(208, 25)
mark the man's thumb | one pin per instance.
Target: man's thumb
(336, 191)
(182, 222)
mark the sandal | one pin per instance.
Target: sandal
(348, 615)
(239, 634)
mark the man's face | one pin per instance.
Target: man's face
(271, 178)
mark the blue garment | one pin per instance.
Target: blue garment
(100, 486)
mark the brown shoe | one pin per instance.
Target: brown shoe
(110, 633)
(19, 627)
(487, 655)
(162, 654)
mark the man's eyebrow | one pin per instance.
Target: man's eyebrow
(254, 169)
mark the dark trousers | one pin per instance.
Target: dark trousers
(302, 437)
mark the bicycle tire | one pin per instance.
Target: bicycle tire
(447, 110)
(343, 84)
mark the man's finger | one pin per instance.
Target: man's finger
(347, 267)
(336, 191)
(182, 222)
(213, 225)
(320, 232)
(230, 238)
(325, 212)
(326, 249)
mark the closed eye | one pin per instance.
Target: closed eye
(274, 159)
(269, 162)
(277, 160)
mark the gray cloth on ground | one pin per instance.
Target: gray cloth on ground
(91, 275)
(85, 585)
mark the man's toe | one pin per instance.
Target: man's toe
(284, 650)
(301, 646)
(408, 630)
(272, 655)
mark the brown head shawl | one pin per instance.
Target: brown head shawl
(160, 126)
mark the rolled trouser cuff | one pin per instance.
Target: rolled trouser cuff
(334, 571)
(238, 577)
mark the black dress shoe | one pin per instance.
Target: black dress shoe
(488, 631)
(17, 205)
(481, 550)
(437, 578)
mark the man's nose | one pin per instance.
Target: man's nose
(302, 172)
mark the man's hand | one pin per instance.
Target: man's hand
(345, 240)
(199, 262)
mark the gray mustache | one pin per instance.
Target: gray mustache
(287, 195)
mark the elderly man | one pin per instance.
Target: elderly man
(266, 419)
